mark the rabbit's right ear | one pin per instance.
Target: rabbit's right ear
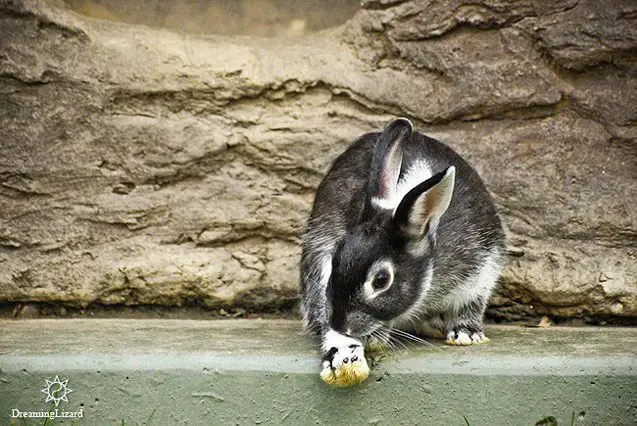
(386, 163)
(420, 210)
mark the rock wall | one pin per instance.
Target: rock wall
(142, 166)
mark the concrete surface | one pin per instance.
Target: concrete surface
(266, 372)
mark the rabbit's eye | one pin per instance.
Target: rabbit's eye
(381, 280)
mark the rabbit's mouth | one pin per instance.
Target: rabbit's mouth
(362, 325)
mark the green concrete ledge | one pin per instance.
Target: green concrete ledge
(168, 372)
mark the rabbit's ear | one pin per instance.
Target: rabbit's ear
(386, 163)
(420, 210)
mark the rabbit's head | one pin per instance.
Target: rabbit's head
(382, 269)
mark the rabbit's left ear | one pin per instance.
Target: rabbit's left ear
(386, 163)
(420, 210)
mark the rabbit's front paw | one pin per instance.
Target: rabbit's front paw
(344, 363)
(345, 366)
(461, 336)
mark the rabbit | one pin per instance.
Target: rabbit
(403, 237)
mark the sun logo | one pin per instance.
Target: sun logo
(56, 390)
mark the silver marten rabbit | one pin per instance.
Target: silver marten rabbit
(403, 235)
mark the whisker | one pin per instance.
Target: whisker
(414, 338)
(391, 337)
(376, 335)
(381, 335)
(387, 336)
(399, 342)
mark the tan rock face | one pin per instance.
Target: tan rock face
(144, 166)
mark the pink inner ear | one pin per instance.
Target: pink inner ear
(391, 171)
(429, 204)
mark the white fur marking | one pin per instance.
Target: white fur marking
(326, 269)
(319, 244)
(479, 285)
(334, 339)
(417, 173)
(465, 339)
(382, 203)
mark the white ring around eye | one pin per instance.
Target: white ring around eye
(368, 290)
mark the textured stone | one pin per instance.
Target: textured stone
(142, 166)
(604, 33)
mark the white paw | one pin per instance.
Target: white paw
(463, 337)
(345, 363)
(347, 367)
